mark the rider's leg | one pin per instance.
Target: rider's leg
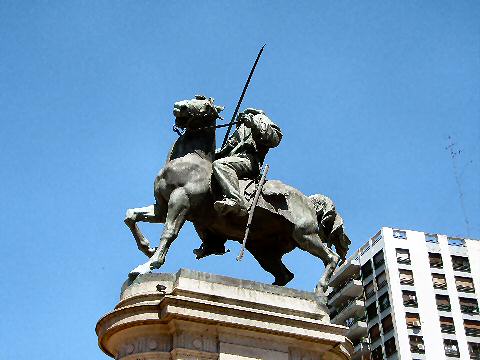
(227, 171)
(178, 206)
(212, 244)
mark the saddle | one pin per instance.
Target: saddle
(273, 197)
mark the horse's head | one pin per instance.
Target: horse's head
(195, 113)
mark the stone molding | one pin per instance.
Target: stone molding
(193, 315)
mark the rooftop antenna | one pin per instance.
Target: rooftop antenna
(454, 153)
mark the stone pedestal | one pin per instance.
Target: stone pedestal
(193, 315)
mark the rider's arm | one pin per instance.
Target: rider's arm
(264, 130)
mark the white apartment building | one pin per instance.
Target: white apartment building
(410, 295)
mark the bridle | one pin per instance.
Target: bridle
(180, 131)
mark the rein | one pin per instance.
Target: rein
(180, 131)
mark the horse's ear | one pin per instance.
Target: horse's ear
(219, 108)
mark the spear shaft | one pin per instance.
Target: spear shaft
(241, 97)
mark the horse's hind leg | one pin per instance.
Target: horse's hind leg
(274, 265)
(178, 206)
(312, 244)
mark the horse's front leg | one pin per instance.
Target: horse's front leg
(178, 206)
(151, 214)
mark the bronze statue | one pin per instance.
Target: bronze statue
(185, 189)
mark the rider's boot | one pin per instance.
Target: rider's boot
(230, 206)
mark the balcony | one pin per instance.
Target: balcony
(440, 285)
(353, 308)
(474, 350)
(417, 348)
(465, 288)
(452, 352)
(362, 350)
(348, 270)
(444, 307)
(472, 332)
(408, 281)
(381, 285)
(377, 263)
(369, 294)
(436, 264)
(414, 325)
(404, 260)
(410, 301)
(447, 328)
(461, 267)
(351, 287)
(357, 328)
(469, 309)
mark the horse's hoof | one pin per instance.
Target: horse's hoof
(284, 280)
(156, 264)
(139, 270)
(130, 218)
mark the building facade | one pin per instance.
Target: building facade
(410, 295)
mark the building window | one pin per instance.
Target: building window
(374, 333)
(381, 280)
(435, 260)
(439, 281)
(409, 298)
(451, 347)
(431, 238)
(377, 353)
(378, 259)
(413, 320)
(390, 347)
(369, 290)
(367, 269)
(464, 284)
(443, 302)
(474, 350)
(399, 234)
(446, 325)
(416, 344)
(371, 311)
(403, 256)
(387, 324)
(455, 241)
(406, 277)
(472, 327)
(460, 263)
(384, 302)
(469, 306)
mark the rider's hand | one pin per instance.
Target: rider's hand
(247, 119)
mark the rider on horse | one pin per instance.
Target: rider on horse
(242, 157)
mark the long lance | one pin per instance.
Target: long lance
(241, 97)
(252, 209)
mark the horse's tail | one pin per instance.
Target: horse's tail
(331, 224)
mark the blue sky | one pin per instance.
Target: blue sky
(367, 95)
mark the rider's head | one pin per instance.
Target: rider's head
(194, 112)
(253, 111)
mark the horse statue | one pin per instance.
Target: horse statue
(283, 219)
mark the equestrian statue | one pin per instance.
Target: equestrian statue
(216, 191)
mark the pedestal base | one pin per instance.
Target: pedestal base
(193, 315)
